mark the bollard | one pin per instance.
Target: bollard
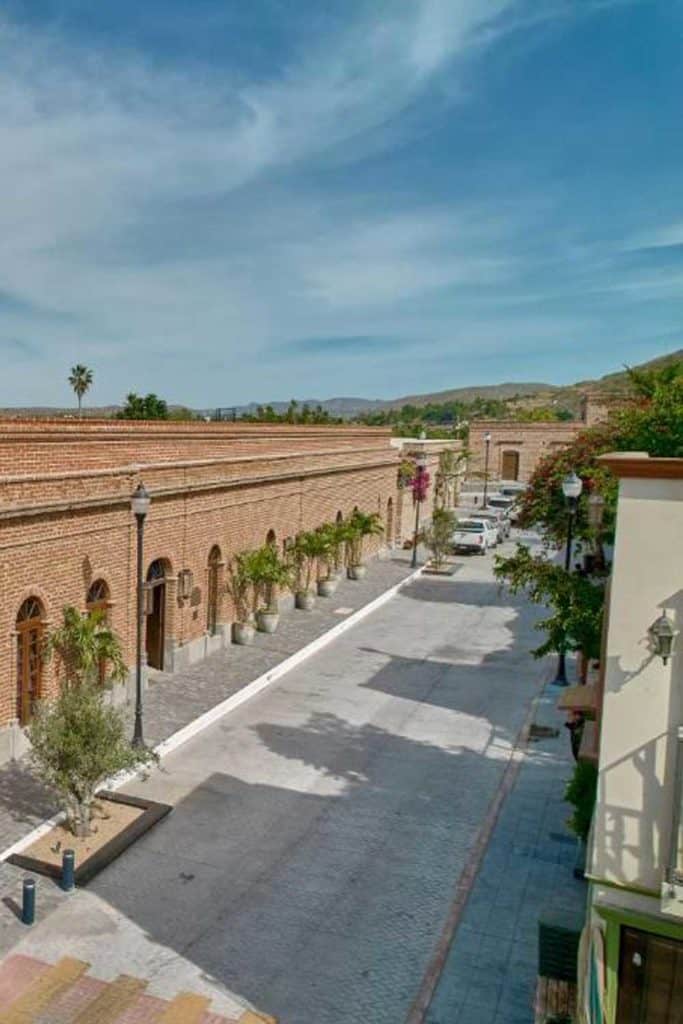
(28, 908)
(68, 865)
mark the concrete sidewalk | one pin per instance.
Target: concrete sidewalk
(173, 701)
(490, 973)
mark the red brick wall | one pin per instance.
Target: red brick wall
(60, 531)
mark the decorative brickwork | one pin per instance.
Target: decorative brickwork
(66, 522)
(516, 447)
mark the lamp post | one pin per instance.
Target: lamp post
(139, 503)
(487, 442)
(421, 464)
(596, 511)
(572, 486)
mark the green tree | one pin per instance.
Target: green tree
(438, 536)
(147, 407)
(576, 601)
(80, 380)
(652, 423)
(78, 741)
(82, 644)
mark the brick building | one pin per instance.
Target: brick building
(517, 446)
(67, 533)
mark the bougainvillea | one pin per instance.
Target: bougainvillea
(420, 485)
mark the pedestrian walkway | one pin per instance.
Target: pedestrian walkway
(490, 973)
(173, 701)
(34, 991)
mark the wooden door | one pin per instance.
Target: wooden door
(155, 624)
(650, 979)
(212, 592)
(510, 466)
(29, 667)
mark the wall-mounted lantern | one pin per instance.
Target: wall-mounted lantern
(185, 584)
(662, 635)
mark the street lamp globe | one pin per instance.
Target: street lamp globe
(421, 460)
(572, 485)
(487, 436)
(139, 501)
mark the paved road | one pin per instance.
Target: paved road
(318, 831)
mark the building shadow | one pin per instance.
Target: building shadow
(322, 904)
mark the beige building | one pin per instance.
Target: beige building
(635, 861)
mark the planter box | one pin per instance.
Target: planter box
(304, 601)
(89, 864)
(448, 570)
(356, 572)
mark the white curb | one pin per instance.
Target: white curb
(229, 704)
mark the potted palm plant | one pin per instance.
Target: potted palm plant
(359, 526)
(241, 589)
(329, 553)
(304, 555)
(268, 572)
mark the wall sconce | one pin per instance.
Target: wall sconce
(662, 635)
(185, 584)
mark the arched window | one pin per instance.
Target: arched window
(98, 600)
(340, 517)
(212, 589)
(271, 538)
(98, 596)
(30, 639)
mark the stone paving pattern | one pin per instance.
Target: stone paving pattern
(172, 701)
(34, 992)
(491, 972)
(319, 830)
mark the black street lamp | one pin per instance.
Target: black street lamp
(572, 486)
(139, 503)
(487, 442)
(421, 464)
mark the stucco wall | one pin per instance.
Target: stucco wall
(643, 700)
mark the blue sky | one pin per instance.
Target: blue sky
(224, 201)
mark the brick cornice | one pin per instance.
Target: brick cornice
(183, 488)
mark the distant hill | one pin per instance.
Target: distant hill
(520, 395)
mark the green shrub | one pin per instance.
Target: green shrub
(581, 793)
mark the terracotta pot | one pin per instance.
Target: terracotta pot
(267, 621)
(304, 600)
(243, 633)
(356, 572)
(326, 588)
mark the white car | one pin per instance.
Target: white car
(507, 506)
(497, 520)
(474, 535)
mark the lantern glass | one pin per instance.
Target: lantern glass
(662, 635)
(572, 485)
(421, 461)
(140, 500)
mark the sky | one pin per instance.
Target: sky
(225, 202)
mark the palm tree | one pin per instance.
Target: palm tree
(80, 380)
(84, 644)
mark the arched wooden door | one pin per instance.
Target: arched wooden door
(30, 639)
(212, 590)
(510, 466)
(156, 614)
(98, 599)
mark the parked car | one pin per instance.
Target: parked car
(474, 535)
(499, 522)
(506, 505)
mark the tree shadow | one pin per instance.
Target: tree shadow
(23, 799)
(321, 904)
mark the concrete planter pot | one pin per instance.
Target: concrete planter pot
(267, 620)
(356, 572)
(326, 588)
(304, 600)
(243, 633)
